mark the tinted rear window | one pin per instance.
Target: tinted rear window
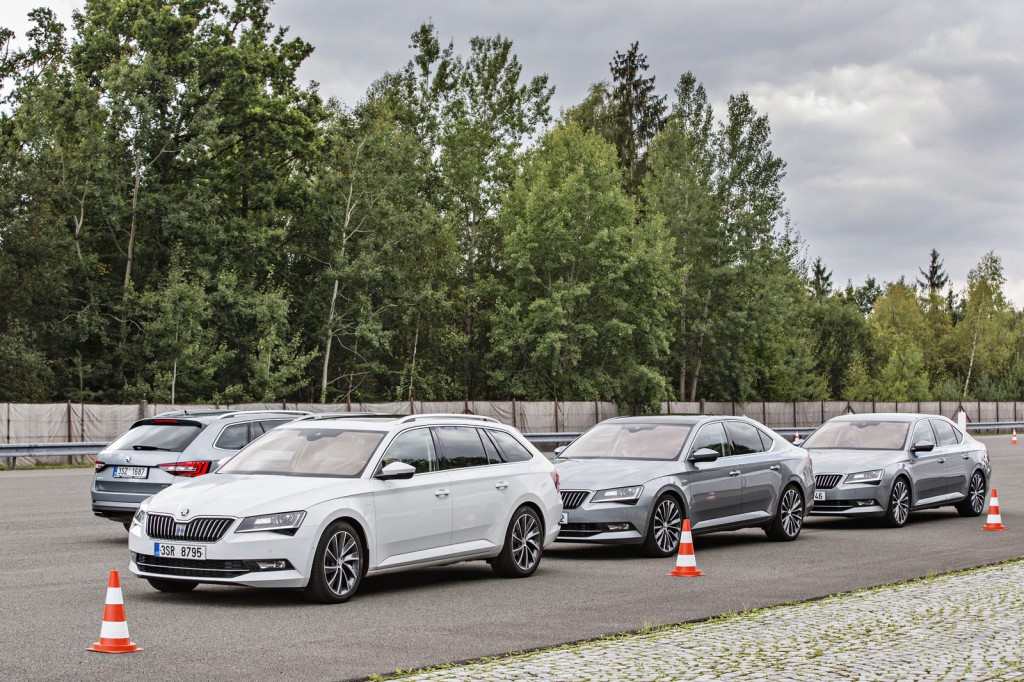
(168, 437)
(745, 438)
(513, 450)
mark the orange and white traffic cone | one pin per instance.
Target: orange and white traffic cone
(995, 521)
(686, 562)
(114, 638)
(1013, 438)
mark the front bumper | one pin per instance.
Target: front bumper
(230, 560)
(602, 523)
(853, 499)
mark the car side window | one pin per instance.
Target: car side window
(711, 436)
(233, 437)
(415, 448)
(923, 432)
(767, 442)
(461, 446)
(745, 440)
(268, 424)
(493, 456)
(512, 449)
(945, 432)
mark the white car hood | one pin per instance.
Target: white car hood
(248, 495)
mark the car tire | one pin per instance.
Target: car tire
(520, 556)
(898, 510)
(789, 517)
(977, 490)
(172, 586)
(664, 528)
(338, 565)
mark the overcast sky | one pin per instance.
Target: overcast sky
(900, 122)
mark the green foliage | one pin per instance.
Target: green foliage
(181, 221)
(584, 299)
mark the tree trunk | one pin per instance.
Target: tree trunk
(129, 256)
(412, 367)
(970, 366)
(327, 345)
(700, 347)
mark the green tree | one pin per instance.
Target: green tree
(901, 333)
(821, 279)
(983, 338)
(582, 312)
(637, 114)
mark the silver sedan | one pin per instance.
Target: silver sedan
(632, 480)
(888, 465)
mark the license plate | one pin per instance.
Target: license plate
(131, 472)
(819, 495)
(176, 551)
(564, 520)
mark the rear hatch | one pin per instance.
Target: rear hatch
(133, 460)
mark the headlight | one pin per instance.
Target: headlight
(140, 517)
(284, 521)
(630, 494)
(873, 476)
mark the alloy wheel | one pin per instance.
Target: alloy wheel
(792, 512)
(525, 542)
(900, 501)
(977, 492)
(667, 525)
(341, 563)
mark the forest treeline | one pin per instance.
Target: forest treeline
(182, 221)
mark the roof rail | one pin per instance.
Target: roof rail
(233, 413)
(316, 416)
(193, 413)
(448, 415)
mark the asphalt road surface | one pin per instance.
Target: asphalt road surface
(55, 557)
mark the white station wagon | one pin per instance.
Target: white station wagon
(320, 502)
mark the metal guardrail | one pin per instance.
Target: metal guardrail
(13, 452)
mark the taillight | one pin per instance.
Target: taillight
(100, 466)
(188, 469)
(557, 481)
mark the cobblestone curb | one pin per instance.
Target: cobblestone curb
(962, 626)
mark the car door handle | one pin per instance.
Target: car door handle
(965, 456)
(734, 473)
(775, 467)
(942, 461)
(501, 485)
(441, 493)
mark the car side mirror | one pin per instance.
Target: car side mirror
(396, 470)
(559, 449)
(922, 446)
(704, 455)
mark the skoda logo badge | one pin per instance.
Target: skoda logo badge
(127, 459)
(184, 512)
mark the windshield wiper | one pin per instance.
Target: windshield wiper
(151, 447)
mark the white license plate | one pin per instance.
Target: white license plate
(819, 495)
(131, 472)
(564, 520)
(176, 551)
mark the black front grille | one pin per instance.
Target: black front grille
(827, 481)
(202, 529)
(572, 499)
(191, 568)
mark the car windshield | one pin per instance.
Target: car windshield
(629, 441)
(868, 434)
(169, 437)
(306, 452)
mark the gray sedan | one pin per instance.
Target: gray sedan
(887, 465)
(632, 480)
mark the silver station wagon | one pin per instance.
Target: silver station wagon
(888, 465)
(632, 480)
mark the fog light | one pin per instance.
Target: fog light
(617, 526)
(275, 565)
(866, 503)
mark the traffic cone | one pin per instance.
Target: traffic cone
(994, 522)
(686, 562)
(1013, 439)
(114, 638)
